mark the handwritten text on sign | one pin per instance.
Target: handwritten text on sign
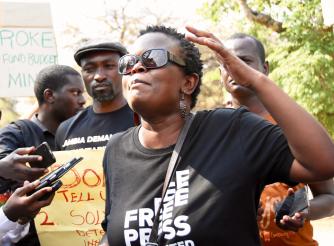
(75, 215)
(23, 53)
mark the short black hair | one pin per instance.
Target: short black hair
(258, 44)
(53, 77)
(189, 52)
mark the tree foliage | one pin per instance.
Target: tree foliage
(8, 114)
(300, 48)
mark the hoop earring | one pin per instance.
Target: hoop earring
(183, 106)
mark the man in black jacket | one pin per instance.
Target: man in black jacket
(58, 90)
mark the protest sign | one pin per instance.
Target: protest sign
(27, 44)
(327, 12)
(77, 210)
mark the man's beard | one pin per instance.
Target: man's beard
(103, 97)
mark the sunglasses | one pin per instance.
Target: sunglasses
(150, 59)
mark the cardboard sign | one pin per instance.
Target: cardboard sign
(327, 12)
(77, 210)
(27, 44)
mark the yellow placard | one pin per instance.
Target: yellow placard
(77, 210)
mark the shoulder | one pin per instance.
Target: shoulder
(225, 115)
(28, 126)
(118, 142)
(81, 114)
(120, 137)
(11, 138)
(18, 128)
(235, 122)
(11, 127)
(126, 108)
(73, 120)
(65, 127)
(124, 113)
(241, 116)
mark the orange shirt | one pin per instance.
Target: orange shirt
(270, 233)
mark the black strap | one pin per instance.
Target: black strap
(173, 163)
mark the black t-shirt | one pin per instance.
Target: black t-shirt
(227, 158)
(91, 130)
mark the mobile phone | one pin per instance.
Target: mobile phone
(55, 186)
(58, 173)
(293, 203)
(52, 178)
(43, 150)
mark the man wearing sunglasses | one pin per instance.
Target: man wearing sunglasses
(109, 112)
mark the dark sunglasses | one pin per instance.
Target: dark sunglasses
(153, 58)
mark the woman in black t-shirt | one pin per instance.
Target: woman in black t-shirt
(227, 158)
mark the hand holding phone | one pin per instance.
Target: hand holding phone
(21, 207)
(55, 186)
(13, 167)
(293, 203)
(52, 179)
(43, 150)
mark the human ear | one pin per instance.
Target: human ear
(48, 96)
(190, 83)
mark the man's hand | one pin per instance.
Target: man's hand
(21, 206)
(14, 167)
(295, 222)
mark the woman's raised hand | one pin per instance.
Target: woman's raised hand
(236, 68)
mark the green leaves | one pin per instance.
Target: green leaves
(308, 77)
(301, 57)
(8, 114)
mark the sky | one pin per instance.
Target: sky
(83, 13)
